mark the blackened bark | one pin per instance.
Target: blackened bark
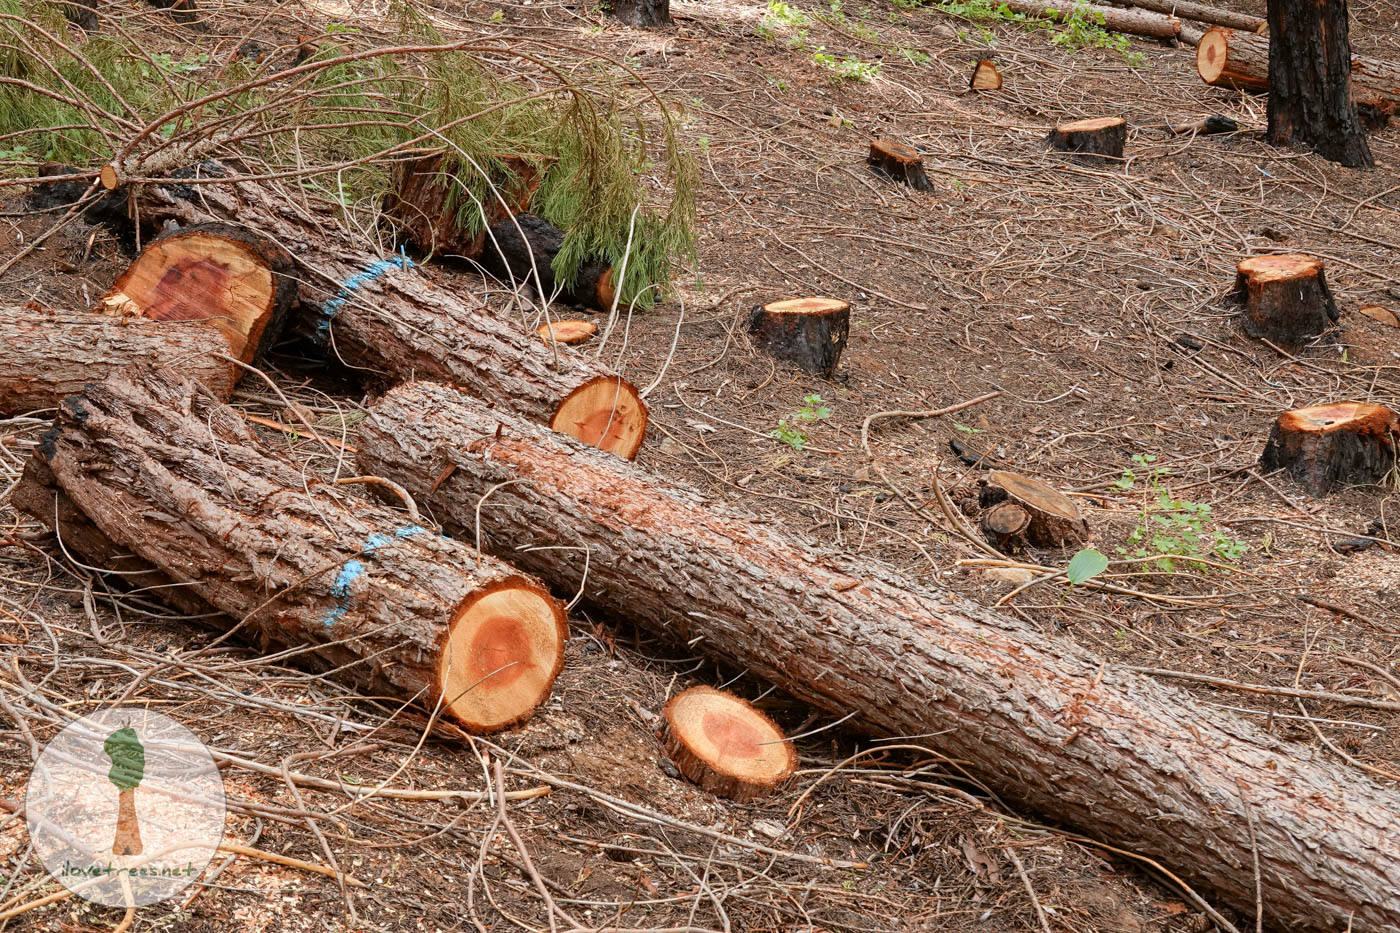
(1310, 81)
(643, 12)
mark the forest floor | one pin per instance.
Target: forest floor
(1093, 298)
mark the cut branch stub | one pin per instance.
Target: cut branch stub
(236, 279)
(607, 413)
(900, 162)
(985, 77)
(430, 205)
(1286, 299)
(1055, 521)
(1005, 525)
(808, 332)
(1331, 446)
(519, 248)
(566, 331)
(1101, 137)
(722, 743)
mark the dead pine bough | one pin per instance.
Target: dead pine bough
(1042, 722)
(166, 472)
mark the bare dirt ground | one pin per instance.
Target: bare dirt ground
(1091, 297)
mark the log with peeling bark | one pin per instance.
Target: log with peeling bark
(1130, 22)
(1053, 520)
(1329, 447)
(985, 77)
(430, 205)
(237, 280)
(1286, 299)
(46, 355)
(393, 320)
(719, 741)
(166, 471)
(1201, 13)
(1225, 58)
(900, 162)
(1042, 721)
(810, 333)
(1100, 137)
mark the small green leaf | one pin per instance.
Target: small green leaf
(1086, 565)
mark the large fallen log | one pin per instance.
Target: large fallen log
(1041, 721)
(1225, 58)
(1130, 22)
(164, 470)
(48, 355)
(1201, 13)
(391, 318)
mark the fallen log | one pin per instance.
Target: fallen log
(1328, 447)
(46, 356)
(239, 281)
(431, 207)
(1201, 13)
(521, 250)
(722, 743)
(1241, 61)
(1043, 722)
(1130, 22)
(1286, 299)
(164, 470)
(389, 318)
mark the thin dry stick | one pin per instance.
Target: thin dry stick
(1254, 846)
(1389, 706)
(1030, 890)
(933, 413)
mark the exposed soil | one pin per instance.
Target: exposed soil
(1091, 296)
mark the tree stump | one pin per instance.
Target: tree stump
(808, 332)
(1286, 299)
(239, 281)
(722, 743)
(519, 248)
(900, 162)
(1055, 521)
(1005, 524)
(164, 470)
(1102, 137)
(985, 77)
(566, 331)
(1326, 447)
(431, 208)
(648, 13)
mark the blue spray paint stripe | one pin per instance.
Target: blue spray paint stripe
(360, 279)
(352, 569)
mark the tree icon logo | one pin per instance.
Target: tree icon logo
(128, 757)
(158, 835)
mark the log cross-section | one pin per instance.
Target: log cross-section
(1043, 722)
(722, 743)
(164, 470)
(985, 77)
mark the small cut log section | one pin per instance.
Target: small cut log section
(164, 470)
(722, 743)
(985, 77)
(1040, 720)
(1238, 60)
(1329, 447)
(810, 333)
(1051, 519)
(1286, 299)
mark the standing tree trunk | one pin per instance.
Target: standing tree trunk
(1310, 81)
(643, 12)
(1039, 719)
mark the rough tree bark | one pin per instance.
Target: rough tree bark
(166, 471)
(901, 161)
(1310, 98)
(1130, 22)
(810, 333)
(643, 12)
(388, 318)
(1101, 137)
(1201, 13)
(1042, 721)
(522, 247)
(1286, 299)
(431, 210)
(1329, 447)
(46, 356)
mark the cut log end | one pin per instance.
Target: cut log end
(1055, 521)
(1005, 524)
(985, 77)
(566, 331)
(109, 177)
(1286, 299)
(1381, 314)
(606, 412)
(1101, 137)
(900, 162)
(504, 650)
(1327, 447)
(808, 332)
(238, 280)
(722, 743)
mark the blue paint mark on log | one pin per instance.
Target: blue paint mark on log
(360, 279)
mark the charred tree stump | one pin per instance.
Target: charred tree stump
(807, 332)
(1329, 447)
(520, 248)
(238, 281)
(1102, 137)
(430, 205)
(985, 77)
(1054, 520)
(1005, 524)
(1043, 722)
(722, 743)
(648, 13)
(391, 320)
(1286, 299)
(900, 162)
(166, 471)
(1310, 98)
(46, 356)
(566, 331)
